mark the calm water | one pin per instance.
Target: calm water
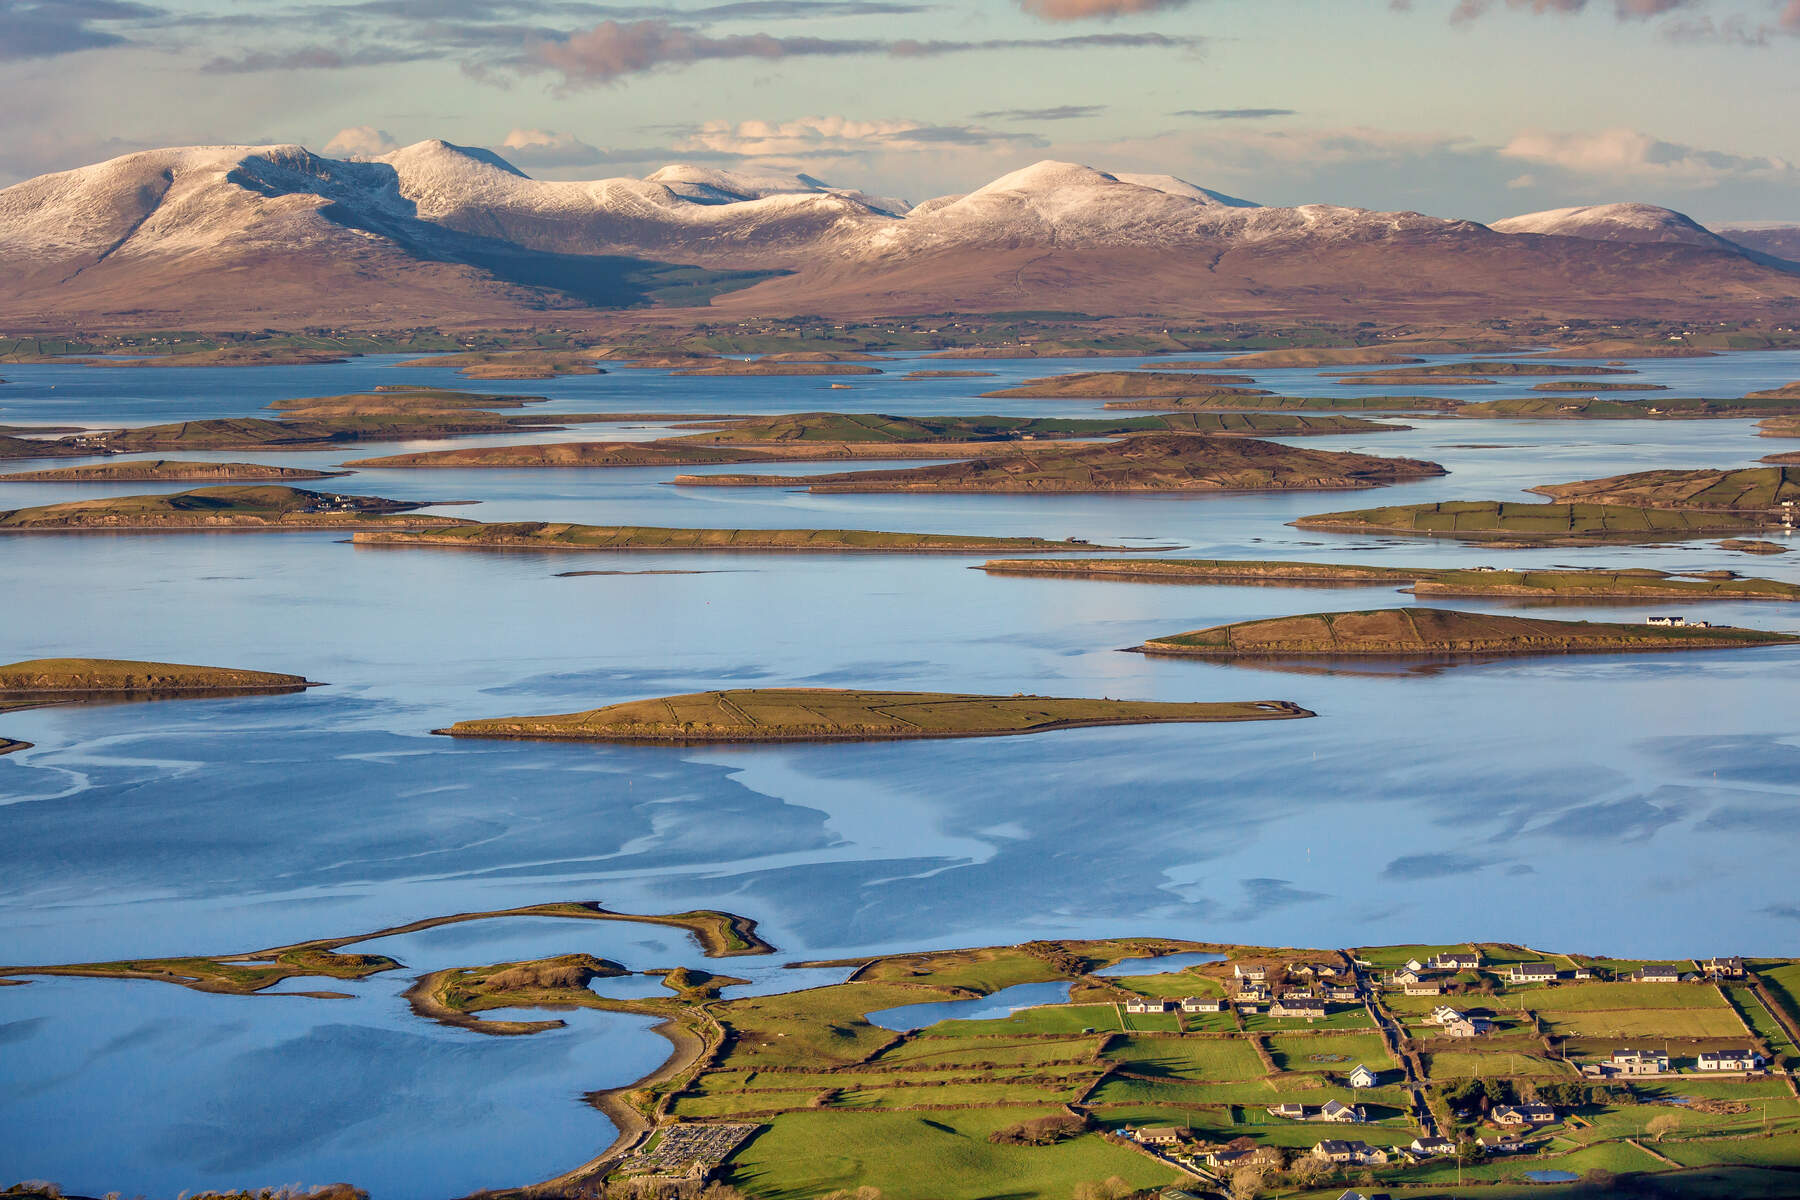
(1649, 798)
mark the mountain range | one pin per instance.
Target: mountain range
(241, 237)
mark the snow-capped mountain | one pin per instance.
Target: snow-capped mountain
(436, 232)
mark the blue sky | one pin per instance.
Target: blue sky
(1476, 108)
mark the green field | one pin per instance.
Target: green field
(1647, 1023)
(1466, 1064)
(1546, 523)
(1331, 1053)
(1593, 997)
(927, 1053)
(1050, 1019)
(1214, 1059)
(925, 1156)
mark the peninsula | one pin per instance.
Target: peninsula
(1149, 463)
(562, 535)
(266, 507)
(830, 714)
(1764, 491)
(167, 470)
(1410, 632)
(1563, 583)
(1502, 522)
(1596, 408)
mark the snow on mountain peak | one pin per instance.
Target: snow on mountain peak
(1623, 222)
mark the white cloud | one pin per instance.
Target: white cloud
(839, 135)
(361, 141)
(548, 148)
(1526, 180)
(1631, 154)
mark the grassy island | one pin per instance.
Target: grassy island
(829, 714)
(1322, 356)
(1150, 463)
(267, 507)
(781, 365)
(1122, 385)
(514, 364)
(53, 677)
(1230, 403)
(1750, 490)
(1502, 522)
(167, 470)
(1484, 368)
(1569, 584)
(1595, 408)
(1589, 385)
(1406, 632)
(560, 535)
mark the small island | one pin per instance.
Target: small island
(1438, 633)
(1149, 463)
(1562, 583)
(1105, 385)
(1485, 368)
(1505, 523)
(1596, 408)
(1312, 356)
(796, 364)
(168, 470)
(43, 682)
(1242, 403)
(1765, 491)
(831, 714)
(268, 507)
(1589, 385)
(513, 364)
(562, 535)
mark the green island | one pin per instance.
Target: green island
(1146, 463)
(265, 507)
(1238, 403)
(1402, 379)
(160, 470)
(1484, 368)
(1595, 408)
(1253, 1070)
(1406, 632)
(514, 364)
(562, 535)
(1779, 427)
(1104, 385)
(835, 714)
(1589, 385)
(798, 363)
(1752, 546)
(1766, 491)
(1322, 356)
(949, 374)
(44, 682)
(1561, 583)
(814, 437)
(1503, 523)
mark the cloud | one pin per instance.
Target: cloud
(1233, 114)
(820, 136)
(1082, 10)
(45, 28)
(1527, 180)
(361, 141)
(1625, 10)
(547, 148)
(1628, 153)
(1431, 866)
(612, 50)
(314, 58)
(1062, 112)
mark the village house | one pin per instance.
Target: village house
(1467, 1027)
(1724, 968)
(1456, 960)
(1500, 1145)
(1641, 1062)
(1261, 1156)
(1425, 987)
(1310, 1007)
(1290, 1110)
(1159, 1135)
(1407, 976)
(1341, 994)
(1531, 972)
(1657, 973)
(1667, 622)
(1333, 1151)
(1255, 972)
(1586, 973)
(1362, 1077)
(1312, 968)
(1145, 1004)
(1339, 1112)
(1432, 1147)
(1415, 965)
(1202, 1004)
(1729, 1060)
(1523, 1114)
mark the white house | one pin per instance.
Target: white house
(1362, 1077)
(1532, 972)
(1729, 1060)
(1202, 1004)
(1657, 973)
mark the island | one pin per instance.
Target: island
(1147, 463)
(1779, 427)
(1589, 385)
(562, 535)
(1562, 583)
(266, 507)
(1596, 408)
(1752, 546)
(1311, 356)
(949, 374)
(514, 364)
(1137, 1064)
(1769, 492)
(837, 715)
(1102, 385)
(1414, 379)
(784, 365)
(1481, 368)
(166, 470)
(1244, 403)
(1505, 523)
(1446, 633)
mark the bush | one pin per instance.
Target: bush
(1040, 1131)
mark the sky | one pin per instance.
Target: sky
(1459, 108)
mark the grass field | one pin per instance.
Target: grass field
(984, 971)
(1593, 997)
(944, 1054)
(1718, 1022)
(1213, 1059)
(1347, 1017)
(921, 1156)
(1463, 1064)
(1050, 1018)
(1337, 1054)
(1172, 986)
(1552, 523)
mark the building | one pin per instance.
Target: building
(1255, 972)
(1425, 987)
(1532, 972)
(1160, 1135)
(1333, 1151)
(1432, 1147)
(1407, 976)
(1724, 968)
(1729, 1060)
(1362, 1077)
(1456, 960)
(1342, 995)
(1340, 1113)
(1667, 622)
(1146, 1004)
(1468, 1027)
(1261, 1156)
(1657, 973)
(1415, 965)
(1202, 1004)
(1523, 1114)
(1500, 1145)
(1310, 1007)
(1640, 1062)
(1586, 973)
(1289, 1111)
